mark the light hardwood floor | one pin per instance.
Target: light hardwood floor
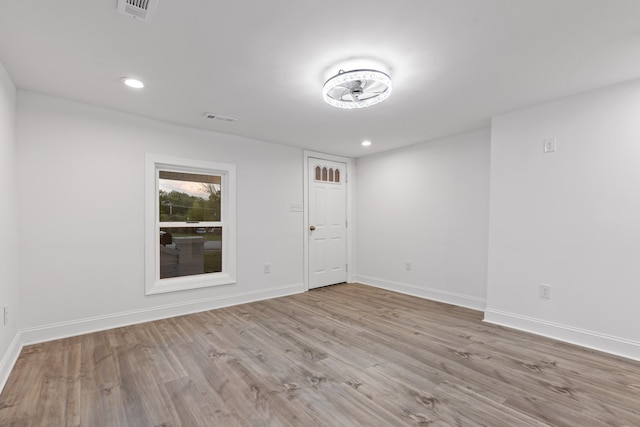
(344, 355)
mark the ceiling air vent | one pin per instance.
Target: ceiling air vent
(219, 117)
(138, 9)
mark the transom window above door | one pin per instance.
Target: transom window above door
(327, 174)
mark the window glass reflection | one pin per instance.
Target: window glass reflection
(189, 197)
(185, 251)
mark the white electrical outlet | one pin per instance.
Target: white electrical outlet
(267, 268)
(545, 291)
(6, 314)
(407, 265)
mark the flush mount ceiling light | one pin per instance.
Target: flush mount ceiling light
(134, 83)
(357, 88)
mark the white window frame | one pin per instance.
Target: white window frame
(227, 172)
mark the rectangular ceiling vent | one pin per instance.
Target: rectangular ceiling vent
(219, 117)
(141, 10)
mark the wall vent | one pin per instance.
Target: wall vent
(219, 117)
(141, 10)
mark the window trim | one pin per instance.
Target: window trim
(227, 171)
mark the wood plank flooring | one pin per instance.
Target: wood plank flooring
(345, 355)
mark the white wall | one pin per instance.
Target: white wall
(427, 204)
(570, 219)
(9, 342)
(81, 181)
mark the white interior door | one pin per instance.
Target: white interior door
(327, 222)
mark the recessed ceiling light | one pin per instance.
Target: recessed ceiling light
(134, 83)
(365, 143)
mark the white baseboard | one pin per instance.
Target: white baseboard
(99, 323)
(467, 301)
(584, 338)
(9, 359)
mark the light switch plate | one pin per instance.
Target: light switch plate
(549, 145)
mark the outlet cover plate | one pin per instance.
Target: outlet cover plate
(545, 291)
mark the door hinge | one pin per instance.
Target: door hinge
(346, 223)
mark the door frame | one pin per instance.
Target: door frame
(349, 235)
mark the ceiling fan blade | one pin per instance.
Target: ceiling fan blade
(342, 86)
(367, 95)
(346, 91)
(373, 85)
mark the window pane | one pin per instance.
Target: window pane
(189, 197)
(185, 251)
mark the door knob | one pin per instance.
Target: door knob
(313, 227)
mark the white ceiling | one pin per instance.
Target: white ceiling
(454, 63)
